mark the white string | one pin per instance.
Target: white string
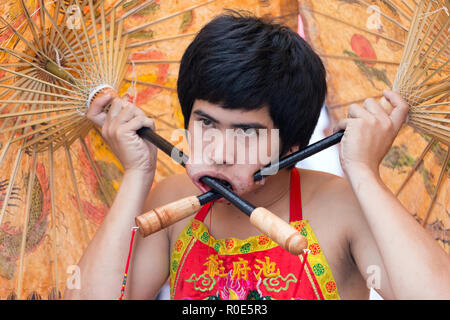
(132, 90)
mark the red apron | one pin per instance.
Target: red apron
(202, 267)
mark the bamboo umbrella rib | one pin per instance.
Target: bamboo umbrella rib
(432, 74)
(409, 43)
(415, 76)
(42, 102)
(116, 46)
(37, 52)
(431, 105)
(111, 44)
(31, 24)
(56, 27)
(429, 123)
(41, 81)
(15, 107)
(146, 25)
(353, 26)
(27, 43)
(22, 82)
(421, 112)
(77, 195)
(45, 93)
(103, 70)
(25, 224)
(83, 52)
(13, 65)
(415, 166)
(341, 105)
(148, 42)
(424, 81)
(436, 189)
(55, 17)
(114, 7)
(35, 85)
(71, 136)
(136, 10)
(433, 119)
(105, 53)
(427, 38)
(101, 182)
(151, 84)
(12, 180)
(331, 56)
(422, 43)
(53, 214)
(38, 121)
(121, 55)
(31, 112)
(137, 62)
(15, 94)
(6, 79)
(41, 16)
(56, 128)
(400, 10)
(57, 133)
(411, 9)
(431, 131)
(433, 91)
(386, 16)
(86, 34)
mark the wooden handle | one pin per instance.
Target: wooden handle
(278, 230)
(162, 217)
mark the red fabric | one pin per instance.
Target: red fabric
(272, 273)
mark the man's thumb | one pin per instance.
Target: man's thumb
(401, 108)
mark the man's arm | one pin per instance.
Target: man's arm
(416, 266)
(102, 264)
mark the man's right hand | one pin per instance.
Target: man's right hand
(119, 128)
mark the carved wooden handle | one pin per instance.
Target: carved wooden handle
(278, 230)
(162, 217)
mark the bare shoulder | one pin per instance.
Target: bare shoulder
(331, 198)
(171, 188)
(321, 186)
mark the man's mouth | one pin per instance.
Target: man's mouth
(222, 180)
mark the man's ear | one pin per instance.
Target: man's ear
(292, 149)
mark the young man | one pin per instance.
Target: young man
(243, 73)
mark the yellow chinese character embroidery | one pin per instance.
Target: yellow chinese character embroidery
(240, 269)
(214, 266)
(267, 268)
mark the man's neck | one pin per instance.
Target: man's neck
(272, 190)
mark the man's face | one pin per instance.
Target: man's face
(230, 145)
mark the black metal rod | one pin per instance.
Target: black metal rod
(221, 190)
(218, 189)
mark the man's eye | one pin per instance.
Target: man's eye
(249, 131)
(206, 122)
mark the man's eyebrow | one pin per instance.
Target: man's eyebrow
(255, 125)
(203, 114)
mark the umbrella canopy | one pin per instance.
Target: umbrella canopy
(369, 46)
(58, 177)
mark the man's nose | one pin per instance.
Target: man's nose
(221, 152)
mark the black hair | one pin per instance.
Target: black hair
(240, 61)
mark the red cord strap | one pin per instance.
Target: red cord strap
(124, 282)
